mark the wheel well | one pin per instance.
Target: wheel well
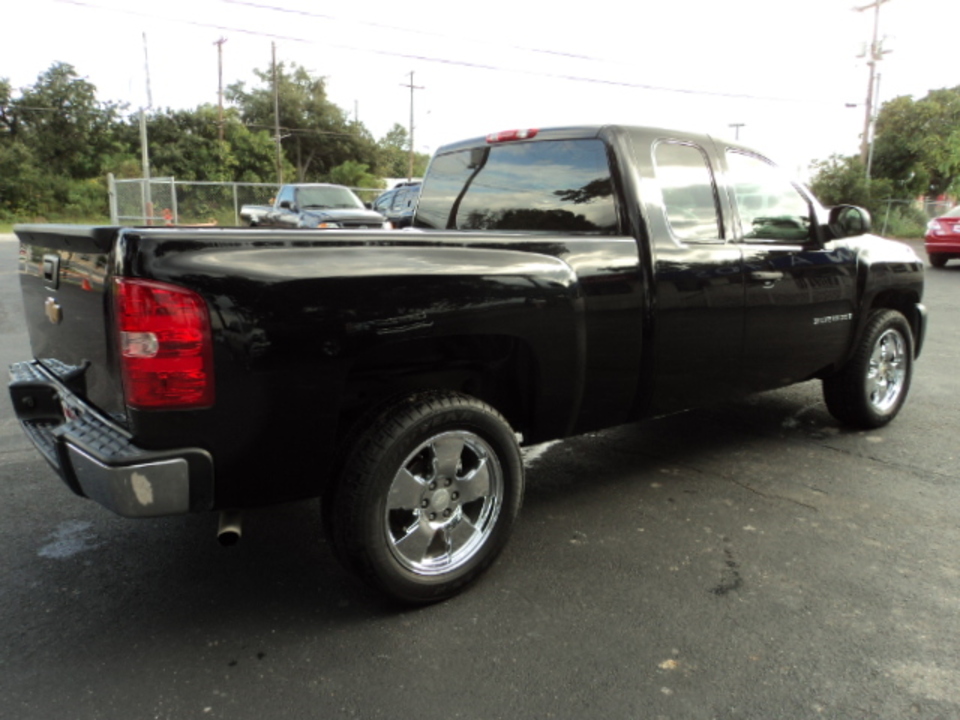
(498, 369)
(903, 302)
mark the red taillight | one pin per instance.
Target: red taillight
(166, 353)
(509, 135)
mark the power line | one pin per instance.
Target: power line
(414, 31)
(451, 61)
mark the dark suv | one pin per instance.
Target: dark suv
(399, 203)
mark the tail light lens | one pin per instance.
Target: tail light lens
(166, 351)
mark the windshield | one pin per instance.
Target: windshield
(954, 213)
(327, 198)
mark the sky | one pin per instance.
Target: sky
(778, 74)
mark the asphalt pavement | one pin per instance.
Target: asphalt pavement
(749, 560)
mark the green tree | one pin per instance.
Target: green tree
(354, 174)
(394, 149)
(318, 134)
(917, 143)
(843, 181)
(185, 144)
(53, 139)
(63, 124)
(8, 126)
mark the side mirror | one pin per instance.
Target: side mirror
(849, 220)
(286, 205)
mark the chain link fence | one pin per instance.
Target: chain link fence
(936, 208)
(166, 201)
(908, 218)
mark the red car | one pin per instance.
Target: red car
(942, 240)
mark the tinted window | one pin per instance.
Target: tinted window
(557, 185)
(770, 207)
(383, 202)
(405, 198)
(689, 199)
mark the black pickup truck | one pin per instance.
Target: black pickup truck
(319, 206)
(554, 282)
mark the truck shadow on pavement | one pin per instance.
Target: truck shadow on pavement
(171, 574)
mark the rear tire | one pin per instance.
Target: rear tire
(870, 389)
(937, 260)
(428, 496)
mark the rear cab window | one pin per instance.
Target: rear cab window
(689, 192)
(548, 186)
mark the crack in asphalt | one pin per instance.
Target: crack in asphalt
(770, 496)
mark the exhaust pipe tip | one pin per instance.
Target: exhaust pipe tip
(230, 528)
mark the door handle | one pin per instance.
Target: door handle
(767, 277)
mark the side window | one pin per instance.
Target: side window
(411, 199)
(400, 201)
(547, 186)
(285, 194)
(769, 205)
(689, 198)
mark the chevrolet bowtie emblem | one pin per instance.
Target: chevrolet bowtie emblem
(52, 310)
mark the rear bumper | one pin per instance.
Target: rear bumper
(97, 458)
(945, 244)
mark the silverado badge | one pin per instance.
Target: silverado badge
(53, 312)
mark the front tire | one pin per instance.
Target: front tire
(870, 389)
(428, 496)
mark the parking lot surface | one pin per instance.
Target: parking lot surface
(749, 560)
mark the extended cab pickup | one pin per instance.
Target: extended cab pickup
(317, 205)
(555, 282)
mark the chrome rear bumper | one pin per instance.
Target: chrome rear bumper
(97, 458)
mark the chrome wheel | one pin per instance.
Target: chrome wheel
(871, 387)
(443, 503)
(887, 370)
(431, 486)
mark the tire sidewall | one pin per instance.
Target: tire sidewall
(887, 320)
(387, 571)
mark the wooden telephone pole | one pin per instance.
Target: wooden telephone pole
(219, 43)
(410, 161)
(874, 55)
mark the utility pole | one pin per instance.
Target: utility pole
(146, 196)
(874, 55)
(870, 153)
(412, 88)
(219, 43)
(736, 129)
(276, 113)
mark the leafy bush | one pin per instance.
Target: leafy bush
(902, 221)
(842, 181)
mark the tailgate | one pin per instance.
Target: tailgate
(64, 273)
